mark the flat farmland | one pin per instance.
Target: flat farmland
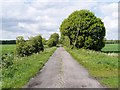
(11, 48)
(112, 48)
(7, 48)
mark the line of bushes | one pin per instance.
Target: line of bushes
(7, 41)
(26, 48)
(112, 41)
(23, 48)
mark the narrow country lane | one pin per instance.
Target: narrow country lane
(62, 71)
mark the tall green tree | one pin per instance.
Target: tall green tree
(53, 40)
(56, 37)
(84, 30)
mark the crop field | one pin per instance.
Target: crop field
(112, 48)
(7, 48)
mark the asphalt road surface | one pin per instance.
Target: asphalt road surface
(62, 71)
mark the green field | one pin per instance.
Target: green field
(11, 48)
(7, 48)
(112, 48)
(101, 66)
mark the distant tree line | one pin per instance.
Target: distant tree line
(7, 41)
(112, 41)
(48, 43)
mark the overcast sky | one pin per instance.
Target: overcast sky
(32, 17)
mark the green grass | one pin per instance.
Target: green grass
(7, 48)
(111, 48)
(23, 68)
(101, 66)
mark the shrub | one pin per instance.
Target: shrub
(7, 60)
(53, 40)
(20, 43)
(26, 48)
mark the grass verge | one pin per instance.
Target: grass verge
(24, 68)
(99, 65)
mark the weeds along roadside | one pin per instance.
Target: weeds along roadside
(21, 69)
(101, 66)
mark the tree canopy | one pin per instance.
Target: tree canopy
(84, 30)
(53, 40)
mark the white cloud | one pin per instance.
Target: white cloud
(29, 27)
(21, 25)
(107, 9)
(110, 19)
(13, 35)
(111, 23)
(45, 16)
(115, 14)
